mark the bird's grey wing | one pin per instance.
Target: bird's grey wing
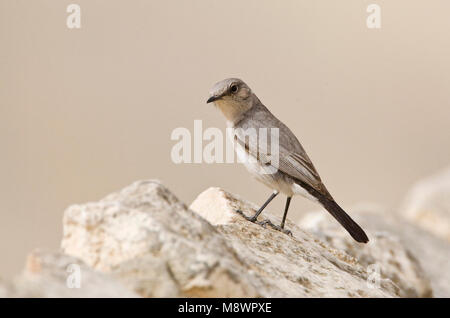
(293, 159)
(295, 164)
(299, 166)
(303, 163)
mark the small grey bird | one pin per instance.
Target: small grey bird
(294, 173)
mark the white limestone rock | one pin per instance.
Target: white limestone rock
(146, 237)
(407, 255)
(427, 204)
(289, 266)
(53, 274)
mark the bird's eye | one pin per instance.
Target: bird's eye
(234, 88)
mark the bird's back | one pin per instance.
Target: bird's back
(261, 117)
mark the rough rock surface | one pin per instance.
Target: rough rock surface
(385, 252)
(142, 241)
(412, 258)
(297, 265)
(157, 246)
(50, 274)
(428, 204)
(145, 236)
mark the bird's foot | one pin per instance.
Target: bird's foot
(266, 223)
(248, 218)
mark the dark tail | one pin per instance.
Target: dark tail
(344, 219)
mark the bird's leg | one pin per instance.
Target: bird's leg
(253, 218)
(286, 208)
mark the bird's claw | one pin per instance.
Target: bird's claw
(248, 218)
(267, 222)
(264, 223)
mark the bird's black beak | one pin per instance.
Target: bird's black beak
(212, 99)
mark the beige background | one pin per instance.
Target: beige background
(86, 112)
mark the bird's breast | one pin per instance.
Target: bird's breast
(275, 180)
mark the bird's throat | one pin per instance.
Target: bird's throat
(231, 110)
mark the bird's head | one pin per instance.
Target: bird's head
(232, 96)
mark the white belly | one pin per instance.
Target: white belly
(264, 174)
(275, 181)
